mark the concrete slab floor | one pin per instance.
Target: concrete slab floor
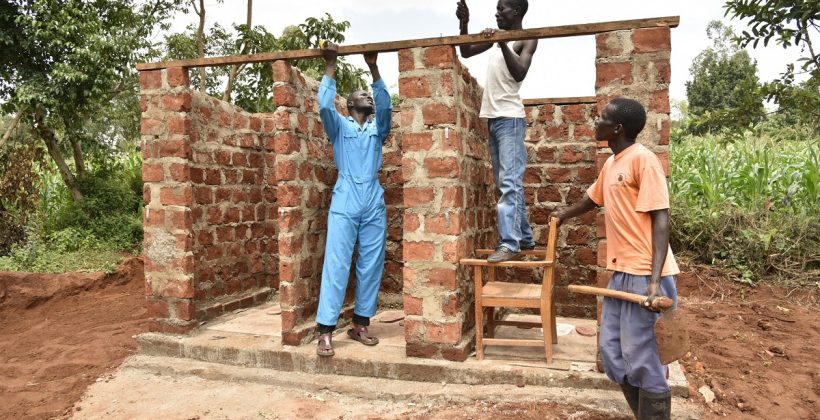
(252, 337)
(150, 387)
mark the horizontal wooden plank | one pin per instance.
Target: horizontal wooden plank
(510, 342)
(505, 302)
(561, 101)
(518, 264)
(537, 252)
(390, 46)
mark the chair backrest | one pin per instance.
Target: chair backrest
(547, 277)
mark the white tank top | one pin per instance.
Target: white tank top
(501, 98)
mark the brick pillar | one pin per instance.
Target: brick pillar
(168, 195)
(634, 64)
(304, 173)
(448, 210)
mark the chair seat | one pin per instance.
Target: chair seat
(497, 293)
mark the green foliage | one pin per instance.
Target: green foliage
(752, 204)
(254, 84)
(789, 23)
(66, 251)
(724, 92)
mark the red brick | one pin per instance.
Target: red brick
(602, 278)
(180, 289)
(176, 196)
(452, 197)
(586, 256)
(286, 143)
(419, 251)
(660, 102)
(439, 57)
(180, 172)
(178, 125)
(442, 167)
(412, 305)
(575, 113)
(175, 148)
(282, 71)
(414, 87)
(156, 308)
(570, 155)
(446, 86)
(416, 141)
(665, 132)
(181, 102)
(437, 113)
(179, 219)
(602, 253)
(284, 95)
(184, 309)
(406, 60)
(289, 195)
(177, 76)
(150, 79)
(150, 126)
(607, 74)
(448, 333)
(447, 224)
(411, 222)
(443, 277)
(418, 196)
(152, 172)
(600, 225)
(647, 40)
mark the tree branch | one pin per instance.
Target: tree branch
(235, 69)
(13, 125)
(79, 161)
(200, 41)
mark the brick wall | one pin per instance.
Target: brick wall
(209, 247)
(448, 210)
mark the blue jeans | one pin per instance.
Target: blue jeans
(627, 341)
(509, 158)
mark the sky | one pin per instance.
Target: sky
(563, 67)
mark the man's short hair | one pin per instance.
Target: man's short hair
(630, 114)
(523, 5)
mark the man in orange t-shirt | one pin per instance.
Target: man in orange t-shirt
(632, 189)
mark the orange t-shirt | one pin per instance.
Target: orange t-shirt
(630, 185)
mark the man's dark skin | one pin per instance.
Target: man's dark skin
(509, 17)
(615, 135)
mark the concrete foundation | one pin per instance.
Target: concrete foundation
(252, 338)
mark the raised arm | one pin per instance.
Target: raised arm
(331, 120)
(463, 14)
(381, 98)
(519, 64)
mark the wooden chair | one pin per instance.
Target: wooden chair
(497, 294)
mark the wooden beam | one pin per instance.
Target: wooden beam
(390, 46)
(561, 101)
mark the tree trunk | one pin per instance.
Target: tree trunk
(235, 69)
(79, 161)
(200, 40)
(54, 151)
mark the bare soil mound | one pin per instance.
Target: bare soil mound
(60, 332)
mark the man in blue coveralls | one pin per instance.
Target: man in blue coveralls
(357, 211)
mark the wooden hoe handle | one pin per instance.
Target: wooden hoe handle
(661, 302)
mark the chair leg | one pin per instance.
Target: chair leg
(554, 324)
(491, 322)
(479, 316)
(549, 329)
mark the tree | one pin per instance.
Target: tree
(68, 62)
(789, 23)
(724, 91)
(252, 85)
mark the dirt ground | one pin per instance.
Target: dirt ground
(754, 348)
(59, 333)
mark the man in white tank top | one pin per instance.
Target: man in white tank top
(504, 110)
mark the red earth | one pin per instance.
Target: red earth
(754, 348)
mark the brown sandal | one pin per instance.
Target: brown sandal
(325, 346)
(359, 333)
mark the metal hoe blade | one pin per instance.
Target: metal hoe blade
(672, 336)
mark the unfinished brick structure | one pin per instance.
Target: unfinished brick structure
(236, 203)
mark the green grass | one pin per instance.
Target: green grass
(751, 203)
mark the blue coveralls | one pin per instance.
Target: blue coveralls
(357, 210)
